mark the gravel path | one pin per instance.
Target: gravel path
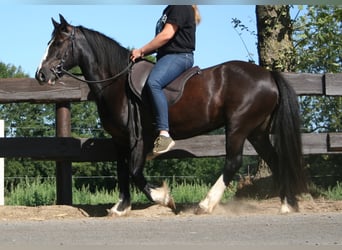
(203, 231)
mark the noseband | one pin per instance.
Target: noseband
(59, 70)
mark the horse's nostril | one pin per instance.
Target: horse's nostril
(40, 76)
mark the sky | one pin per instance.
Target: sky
(26, 30)
(26, 27)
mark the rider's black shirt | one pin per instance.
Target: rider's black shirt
(184, 39)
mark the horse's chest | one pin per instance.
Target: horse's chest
(113, 121)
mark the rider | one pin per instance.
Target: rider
(174, 43)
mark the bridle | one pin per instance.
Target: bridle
(133, 108)
(59, 70)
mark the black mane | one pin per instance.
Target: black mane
(108, 53)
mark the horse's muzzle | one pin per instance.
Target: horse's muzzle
(40, 76)
(44, 75)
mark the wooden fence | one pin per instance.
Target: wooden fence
(64, 149)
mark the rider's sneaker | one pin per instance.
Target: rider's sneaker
(162, 144)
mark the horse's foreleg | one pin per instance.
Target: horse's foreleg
(160, 195)
(123, 206)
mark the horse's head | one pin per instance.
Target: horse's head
(59, 54)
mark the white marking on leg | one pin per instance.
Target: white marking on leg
(285, 208)
(162, 196)
(114, 210)
(214, 196)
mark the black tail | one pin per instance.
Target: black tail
(287, 140)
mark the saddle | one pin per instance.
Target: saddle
(173, 91)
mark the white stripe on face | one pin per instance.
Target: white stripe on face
(45, 55)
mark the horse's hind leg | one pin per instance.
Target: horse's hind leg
(213, 197)
(262, 144)
(234, 147)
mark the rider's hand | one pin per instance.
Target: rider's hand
(136, 53)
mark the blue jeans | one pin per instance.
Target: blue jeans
(167, 68)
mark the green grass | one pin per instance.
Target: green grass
(193, 193)
(334, 193)
(37, 193)
(32, 193)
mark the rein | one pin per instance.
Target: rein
(99, 81)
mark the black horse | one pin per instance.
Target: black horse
(249, 101)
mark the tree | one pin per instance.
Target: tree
(318, 43)
(10, 71)
(275, 45)
(317, 38)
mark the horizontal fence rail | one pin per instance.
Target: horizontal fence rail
(101, 149)
(68, 89)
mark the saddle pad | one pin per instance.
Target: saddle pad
(138, 76)
(173, 91)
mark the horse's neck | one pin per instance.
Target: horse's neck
(105, 92)
(92, 72)
(106, 66)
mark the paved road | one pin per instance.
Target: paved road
(208, 231)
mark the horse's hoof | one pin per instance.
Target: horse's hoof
(114, 212)
(168, 199)
(162, 196)
(171, 204)
(287, 207)
(200, 210)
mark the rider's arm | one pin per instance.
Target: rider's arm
(158, 41)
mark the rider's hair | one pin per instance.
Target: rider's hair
(197, 14)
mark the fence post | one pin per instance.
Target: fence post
(63, 168)
(2, 168)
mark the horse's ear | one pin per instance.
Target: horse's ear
(62, 20)
(55, 24)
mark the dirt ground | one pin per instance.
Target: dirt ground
(232, 208)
